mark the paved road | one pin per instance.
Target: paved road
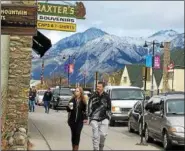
(51, 132)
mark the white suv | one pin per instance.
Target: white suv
(122, 100)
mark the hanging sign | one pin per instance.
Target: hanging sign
(60, 17)
(18, 19)
(149, 61)
(157, 62)
(71, 68)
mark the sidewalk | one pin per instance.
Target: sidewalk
(36, 138)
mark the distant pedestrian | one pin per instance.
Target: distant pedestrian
(99, 109)
(77, 109)
(34, 93)
(46, 99)
(31, 101)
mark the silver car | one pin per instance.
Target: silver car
(61, 98)
(164, 120)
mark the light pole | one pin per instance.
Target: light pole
(68, 66)
(153, 43)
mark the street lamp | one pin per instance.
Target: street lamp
(69, 62)
(153, 43)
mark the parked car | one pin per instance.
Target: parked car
(164, 120)
(61, 97)
(122, 100)
(39, 97)
(135, 117)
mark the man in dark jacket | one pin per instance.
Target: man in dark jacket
(31, 101)
(99, 110)
(47, 98)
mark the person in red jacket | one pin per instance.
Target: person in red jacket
(77, 116)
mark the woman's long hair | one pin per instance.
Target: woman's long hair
(82, 97)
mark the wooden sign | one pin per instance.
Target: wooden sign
(18, 19)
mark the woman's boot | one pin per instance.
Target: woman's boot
(75, 147)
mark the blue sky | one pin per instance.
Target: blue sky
(124, 18)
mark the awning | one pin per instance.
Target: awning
(41, 44)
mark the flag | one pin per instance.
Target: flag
(71, 68)
(157, 62)
(149, 61)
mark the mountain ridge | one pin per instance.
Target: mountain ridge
(99, 51)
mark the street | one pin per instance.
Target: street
(51, 132)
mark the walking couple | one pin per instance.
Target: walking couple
(99, 110)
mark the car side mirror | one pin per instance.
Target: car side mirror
(158, 113)
(136, 111)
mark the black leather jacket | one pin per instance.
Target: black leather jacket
(99, 107)
(79, 112)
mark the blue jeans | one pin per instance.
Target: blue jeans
(31, 106)
(46, 105)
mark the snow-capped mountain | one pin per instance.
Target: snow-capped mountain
(164, 35)
(96, 50)
(178, 42)
(76, 40)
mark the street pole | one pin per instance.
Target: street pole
(143, 109)
(173, 80)
(42, 73)
(153, 53)
(84, 81)
(68, 69)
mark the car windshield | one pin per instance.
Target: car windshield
(126, 94)
(41, 92)
(63, 91)
(175, 107)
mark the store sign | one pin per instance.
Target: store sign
(18, 19)
(59, 17)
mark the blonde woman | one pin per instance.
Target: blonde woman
(77, 116)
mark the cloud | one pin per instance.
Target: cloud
(129, 18)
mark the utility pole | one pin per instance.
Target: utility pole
(95, 81)
(68, 70)
(165, 66)
(84, 80)
(153, 53)
(42, 73)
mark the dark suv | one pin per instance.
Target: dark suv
(61, 97)
(164, 120)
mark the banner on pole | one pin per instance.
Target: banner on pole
(157, 62)
(71, 68)
(148, 61)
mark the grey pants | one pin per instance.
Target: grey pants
(99, 130)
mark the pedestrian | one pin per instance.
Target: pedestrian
(31, 101)
(34, 93)
(77, 116)
(46, 99)
(99, 111)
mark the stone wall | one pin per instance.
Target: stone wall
(18, 86)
